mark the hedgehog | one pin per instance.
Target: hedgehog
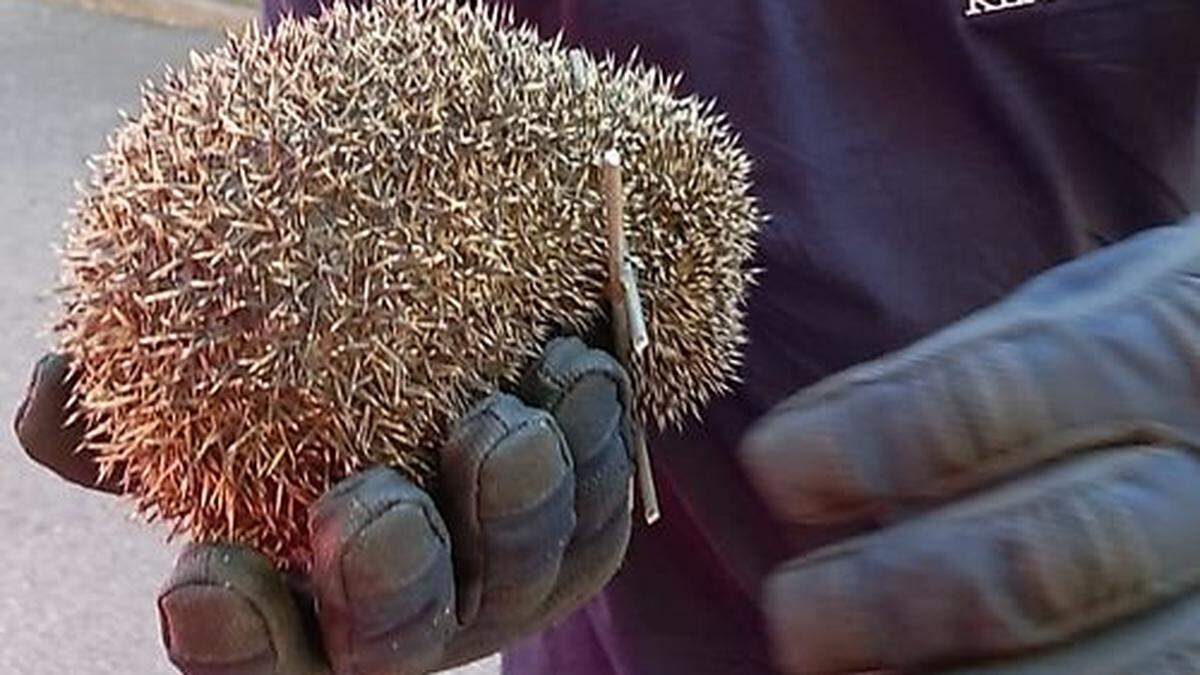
(313, 249)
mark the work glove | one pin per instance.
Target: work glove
(1034, 469)
(530, 519)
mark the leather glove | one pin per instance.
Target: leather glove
(531, 518)
(1035, 468)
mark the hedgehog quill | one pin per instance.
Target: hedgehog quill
(311, 251)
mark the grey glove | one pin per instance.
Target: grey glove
(531, 519)
(1036, 470)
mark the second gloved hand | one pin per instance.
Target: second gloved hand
(1037, 470)
(531, 518)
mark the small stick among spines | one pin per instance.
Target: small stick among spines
(628, 319)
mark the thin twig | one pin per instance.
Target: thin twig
(629, 324)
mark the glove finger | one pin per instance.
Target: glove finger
(588, 393)
(1084, 356)
(1023, 567)
(226, 611)
(47, 431)
(507, 485)
(1162, 642)
(382, 575)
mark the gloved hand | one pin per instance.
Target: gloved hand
(1036, 468)
(531, 518)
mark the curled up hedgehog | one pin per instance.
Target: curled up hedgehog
(312, 250)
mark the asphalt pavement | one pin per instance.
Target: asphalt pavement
(78, 575)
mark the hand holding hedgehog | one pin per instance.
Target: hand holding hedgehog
(530, 519)
(301, 271)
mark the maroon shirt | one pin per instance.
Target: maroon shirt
(920, 158)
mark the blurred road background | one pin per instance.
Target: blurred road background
(78, 577)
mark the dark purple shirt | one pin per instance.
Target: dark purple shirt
(920, 158)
